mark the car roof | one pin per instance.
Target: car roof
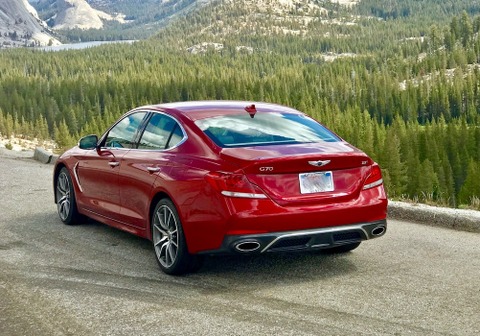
(196, 110)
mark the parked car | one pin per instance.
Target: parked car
(223, 177)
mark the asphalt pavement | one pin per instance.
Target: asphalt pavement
(91, 279)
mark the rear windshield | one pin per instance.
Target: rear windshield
(264, 129)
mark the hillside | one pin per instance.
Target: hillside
(21, 26)
(111, 19)
(144, 18)
(315, 28)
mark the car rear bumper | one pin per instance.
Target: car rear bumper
(302, 240)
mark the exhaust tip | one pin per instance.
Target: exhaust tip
(247, 246)
(378, 231)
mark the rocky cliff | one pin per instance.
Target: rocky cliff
(21, 26)
(79, 14)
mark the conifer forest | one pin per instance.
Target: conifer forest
(403, 84)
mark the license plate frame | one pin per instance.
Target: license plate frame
(316, 182)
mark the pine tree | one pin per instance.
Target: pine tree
(3, 129)
(471, 187)
(466, 29)
(62, 136)
(393, 165)
(41, 129)
(428, 183)
(9, 126)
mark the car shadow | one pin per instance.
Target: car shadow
(258, 269)
(218, 274)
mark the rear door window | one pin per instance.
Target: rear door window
(162, 132)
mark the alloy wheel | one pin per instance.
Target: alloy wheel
(165, 236)
(64, 196)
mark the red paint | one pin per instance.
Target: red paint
(194, 174)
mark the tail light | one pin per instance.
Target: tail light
(374, 179)
(233, 185)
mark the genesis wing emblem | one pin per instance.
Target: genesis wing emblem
(319, 163)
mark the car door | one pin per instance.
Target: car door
(142, 166)
(98, 169)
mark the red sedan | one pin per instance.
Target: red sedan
(203, 178)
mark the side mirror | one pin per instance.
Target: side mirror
(88, 142)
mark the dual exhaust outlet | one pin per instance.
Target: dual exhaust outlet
(252, 245)
(247, 246)
(378, 231)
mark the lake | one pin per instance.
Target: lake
(82, 45)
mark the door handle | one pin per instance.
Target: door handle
(153, 169)
(114, 164)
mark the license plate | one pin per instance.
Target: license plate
(316, 182)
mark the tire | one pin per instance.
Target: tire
(169, 242)
(342, 248)
(65, 196)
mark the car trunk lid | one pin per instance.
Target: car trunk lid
(313, 173)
